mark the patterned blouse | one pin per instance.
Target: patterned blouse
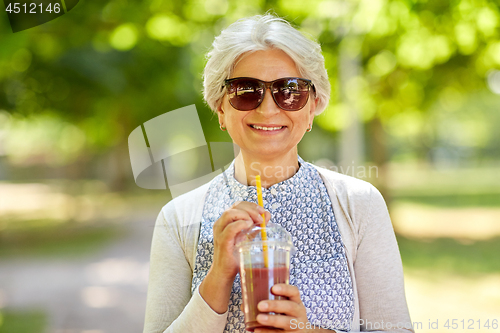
(319, 267)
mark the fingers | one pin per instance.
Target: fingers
(232, 229)
(244, 210)
(281, 306)
(287, 307)
(290, 291)
(255, 211)
(229, 216)
(290, 309)
(278, 321)
(267, 216)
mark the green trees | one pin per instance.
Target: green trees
(418, 82)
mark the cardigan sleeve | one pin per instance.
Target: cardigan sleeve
(170, 306)
(379, 272)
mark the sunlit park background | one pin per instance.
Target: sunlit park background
(415, 93)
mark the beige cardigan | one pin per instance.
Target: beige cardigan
(366, 230)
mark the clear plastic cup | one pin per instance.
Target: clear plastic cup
(256, 278)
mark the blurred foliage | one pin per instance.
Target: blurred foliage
(78, 85)
(44, 238)
(448, 255)
(28, 321)
(454, 200)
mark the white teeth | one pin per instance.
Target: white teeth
(267, 128)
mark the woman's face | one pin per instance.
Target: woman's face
(288, 127)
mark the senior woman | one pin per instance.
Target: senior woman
(266, 82)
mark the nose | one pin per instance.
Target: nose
(268, 107)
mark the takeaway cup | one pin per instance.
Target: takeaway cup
(257, 278)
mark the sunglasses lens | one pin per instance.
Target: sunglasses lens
(245, 94)
(291, 94)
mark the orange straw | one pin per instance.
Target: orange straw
(263, 223)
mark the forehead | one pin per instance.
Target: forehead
(265, 65)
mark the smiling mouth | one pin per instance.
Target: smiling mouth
(267, 128)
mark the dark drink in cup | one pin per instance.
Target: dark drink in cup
(256, 283)
(263, 263)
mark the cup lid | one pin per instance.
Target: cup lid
(277, 236)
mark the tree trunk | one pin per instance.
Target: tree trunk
(380, 157)
(352, 150)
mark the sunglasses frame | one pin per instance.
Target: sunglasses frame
(269, 85)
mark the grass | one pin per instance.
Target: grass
(43, 238)
(451, 187)
(453, 200)
(448, 255)
(28, 321)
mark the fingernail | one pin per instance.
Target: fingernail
(249, 223)
(263, 306)
(276, 289)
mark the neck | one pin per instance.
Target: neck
(271, 170)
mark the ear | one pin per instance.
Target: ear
(220, 112)
(312, 110)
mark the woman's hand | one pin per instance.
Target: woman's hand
(242, 215)
(293, 317)
(215, 289)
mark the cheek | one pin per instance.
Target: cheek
(302, 121)
(235, 121)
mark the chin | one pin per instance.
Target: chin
(271, 152)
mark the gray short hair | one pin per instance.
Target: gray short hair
(262, 32)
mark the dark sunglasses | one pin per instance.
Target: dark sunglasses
(289, 93)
